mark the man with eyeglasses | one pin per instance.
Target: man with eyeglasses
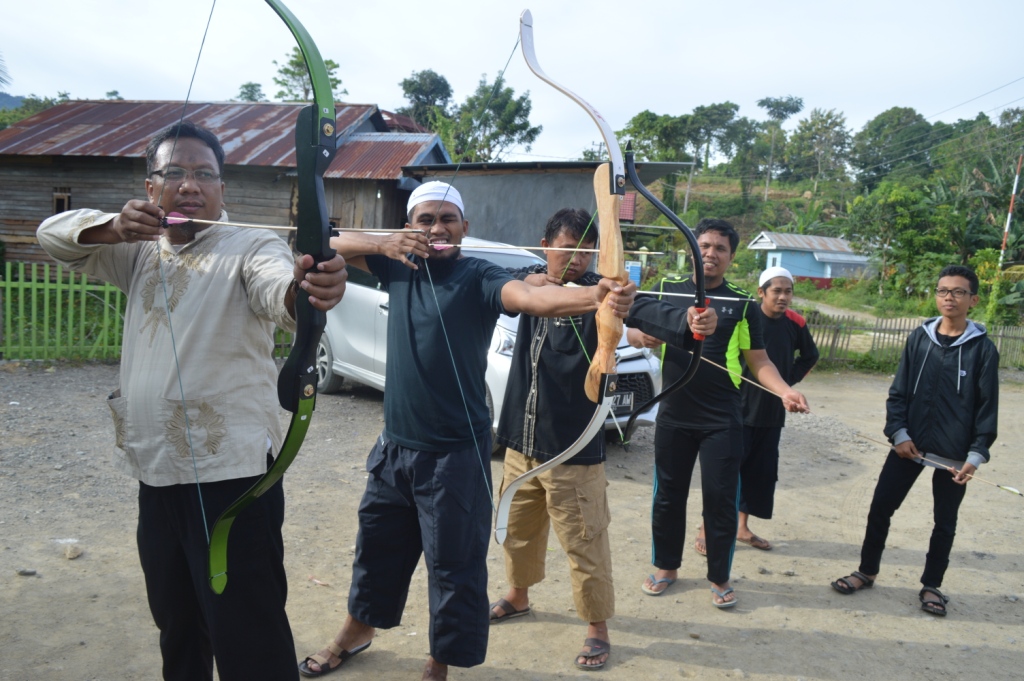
(196, 415)
(942, 406)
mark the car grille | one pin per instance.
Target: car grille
(639, 384)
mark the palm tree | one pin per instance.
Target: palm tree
(4, 78)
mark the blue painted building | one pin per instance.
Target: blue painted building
(811, 257)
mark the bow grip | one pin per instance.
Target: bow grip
(700, 336)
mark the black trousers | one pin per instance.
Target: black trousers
(898, 476)
(760, 470)
(675, 453)
(245, 629)
(438, 505)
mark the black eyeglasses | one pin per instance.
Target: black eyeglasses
(957, 293)
(174, 174)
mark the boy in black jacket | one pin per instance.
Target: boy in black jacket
(942, 406)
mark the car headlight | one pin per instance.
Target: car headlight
(504, 341)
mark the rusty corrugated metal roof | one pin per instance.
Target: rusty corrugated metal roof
(627, 209)
(379, 155)
(800, 242)
(259, 134)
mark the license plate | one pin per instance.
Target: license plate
(622, 402)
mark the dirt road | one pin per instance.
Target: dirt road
(86, 617)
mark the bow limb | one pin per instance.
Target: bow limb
(609, 187)
(698, 277)
(315, 146)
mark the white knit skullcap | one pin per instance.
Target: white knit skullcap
(773, 272)
(435, 191)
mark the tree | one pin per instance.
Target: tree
(964, 143)
(779, 109)
(657, 137)
(819, 147)
(489, 123)
(295, 81)
(115, 95)
(426, 92)
(740, 142)
(251, 92)
(30, 106)
(700, 130)
(5, 78)
(959, 210)
(899, 138)
(892, 224)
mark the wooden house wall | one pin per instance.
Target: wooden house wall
(27, 185)
(252, 194)
(366, 204)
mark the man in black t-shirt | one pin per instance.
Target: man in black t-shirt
(428, 491)
(791, 349)
(704, 418)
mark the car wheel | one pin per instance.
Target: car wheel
(326, 380)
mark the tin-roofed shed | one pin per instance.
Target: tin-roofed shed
(808, 256)
(91, 154)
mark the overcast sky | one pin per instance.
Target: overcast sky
(860, 58)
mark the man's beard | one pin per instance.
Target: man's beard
(441, 268)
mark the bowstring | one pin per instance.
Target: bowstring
(484, 468)
(163, 281)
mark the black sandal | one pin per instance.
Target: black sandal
(597, 649)
(844, 586)
(937, 608)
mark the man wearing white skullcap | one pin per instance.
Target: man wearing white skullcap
(789, 345)
(435, 191)
(429, 486)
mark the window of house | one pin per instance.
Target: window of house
(61, 199)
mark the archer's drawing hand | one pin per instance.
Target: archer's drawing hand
(401, 244)
(139, 220)
(704, 322)
(324, 284)
(639, 339)
(964, 474)
(795, 402)
(907, 450)
(618, 296)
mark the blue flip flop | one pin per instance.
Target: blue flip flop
(722, 595)
(667, 581)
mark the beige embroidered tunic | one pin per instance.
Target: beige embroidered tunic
(224, 294)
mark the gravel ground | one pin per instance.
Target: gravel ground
(72, 601)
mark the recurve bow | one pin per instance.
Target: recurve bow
(609, 188)
(315, 146)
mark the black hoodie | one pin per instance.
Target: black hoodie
(946, 398)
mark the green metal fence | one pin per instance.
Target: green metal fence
(50, 312)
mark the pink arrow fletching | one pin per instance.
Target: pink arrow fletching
(176, 218)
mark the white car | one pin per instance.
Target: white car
(354, 344)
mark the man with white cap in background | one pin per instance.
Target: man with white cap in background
(790, 347)
(428, 491)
